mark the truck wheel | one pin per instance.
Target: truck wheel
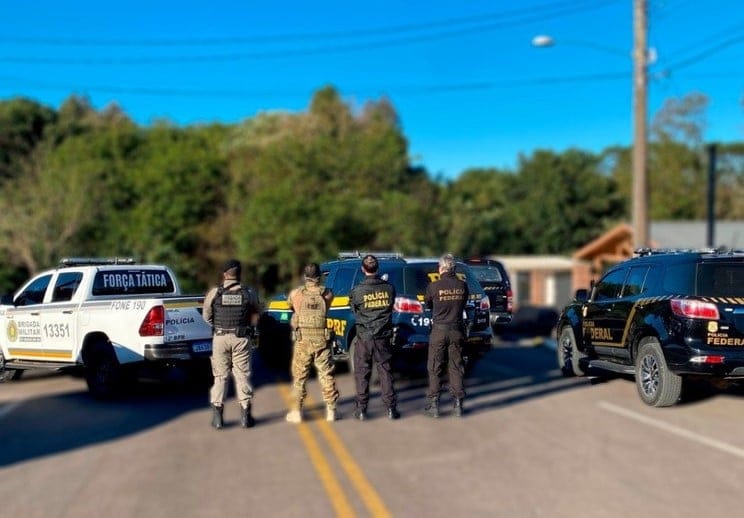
(569, 356)
(8, 374)
(103, 374)
(657, 385)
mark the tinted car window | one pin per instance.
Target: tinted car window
(611, 285)
(678, 278)
(34, 292)
(636, 281)
(720, 279)
(418, 276)
(344, 281)
(486, 273)
(66, 285)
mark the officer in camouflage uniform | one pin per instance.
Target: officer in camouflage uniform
(232, 310)
(372, 302)
(446, 298)
(310, 304)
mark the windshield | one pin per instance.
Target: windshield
(721, 279)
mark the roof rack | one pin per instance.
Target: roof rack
(358, 254)
(92, 261)
(656, 251)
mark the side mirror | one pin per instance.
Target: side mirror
(6, 300)
(581, 295)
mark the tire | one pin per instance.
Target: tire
(657, 385)
(103, 373)
(568, 354)
(8, 374)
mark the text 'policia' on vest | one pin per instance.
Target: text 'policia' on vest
(231, 310)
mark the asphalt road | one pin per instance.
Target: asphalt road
(531, 444)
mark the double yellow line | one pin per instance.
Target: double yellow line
(328, 478)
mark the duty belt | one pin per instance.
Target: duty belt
(219, 331)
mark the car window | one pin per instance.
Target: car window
(34, 292)
(418, 276)
(485, 273)
(610, 286)
(66, 285)
(635, 284)
(679, 278)
(343, 281)
(720, 279)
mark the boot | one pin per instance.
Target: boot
(360, 413)
(330, 413)
(294, 416)
(432, 407)
(458, 407)
(393, 412)
(246, 419)
(217, 416)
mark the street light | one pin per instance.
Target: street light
(641, 59)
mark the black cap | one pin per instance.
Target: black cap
(232, 264)
(312, 271)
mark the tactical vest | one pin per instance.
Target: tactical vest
(230, 308)
(311, 315)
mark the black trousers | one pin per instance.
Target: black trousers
(365, 351)
(445, 346)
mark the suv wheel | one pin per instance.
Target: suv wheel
(103, 374)
(657, 385)
(8, 374)
(569, 356)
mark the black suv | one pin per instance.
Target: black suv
(411, 320)
(492, 275)
(664, 317)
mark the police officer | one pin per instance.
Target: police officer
(310, 304)
(232, 310)
(372, 304)
(446, 298)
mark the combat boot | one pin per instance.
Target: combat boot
(360, 413)
(432, 407)
(330, 413)
(246, 419)
(393, 412)
(459, 410)
(294, 416)
(217, 417)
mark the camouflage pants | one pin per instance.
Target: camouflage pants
(231, 353)
(307, 353)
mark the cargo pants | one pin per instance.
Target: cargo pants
(312, 349)
(231, 354)
(445, 347)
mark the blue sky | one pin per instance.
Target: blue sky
(470, 89)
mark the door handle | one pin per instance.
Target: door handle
(68, 312)
(35, 314)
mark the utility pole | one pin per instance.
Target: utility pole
(711, 234)
(640, 101)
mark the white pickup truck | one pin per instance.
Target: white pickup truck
(104, 317)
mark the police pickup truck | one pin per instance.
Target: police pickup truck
(665, 317)
(104, 317)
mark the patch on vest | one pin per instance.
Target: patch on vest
(229, 299)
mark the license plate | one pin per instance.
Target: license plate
(201, 347)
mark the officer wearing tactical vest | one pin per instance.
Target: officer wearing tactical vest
(446, 298)
(310, 304)
(232, 310)
(372, 303)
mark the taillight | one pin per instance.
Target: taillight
(405, 305)
(152, 325)
(485, 304)
(509, 300)
(694, 309)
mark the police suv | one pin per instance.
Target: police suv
(411, 320)
(102, 316)
(666, 316)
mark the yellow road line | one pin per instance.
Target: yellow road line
(330, 483)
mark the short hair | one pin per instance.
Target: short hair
(447, 262)
(370, 264)
(232, 269)
(312, 271)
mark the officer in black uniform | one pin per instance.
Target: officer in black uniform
(372, 303)
(232, 310)
(446, 298)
